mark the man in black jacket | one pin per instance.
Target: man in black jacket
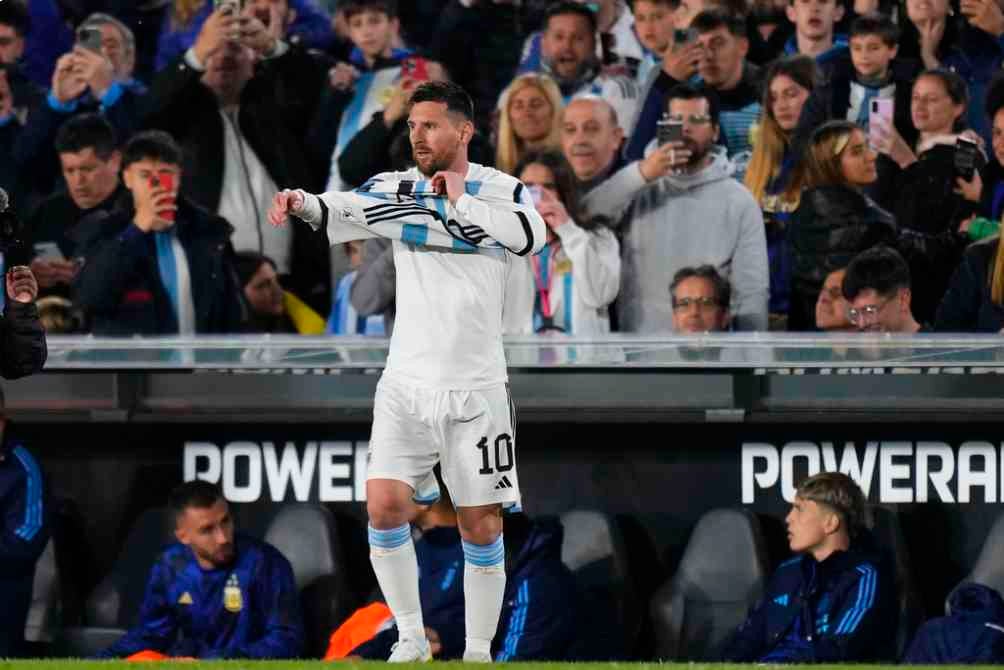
(240, 109)
(162, 266)
(90, 160)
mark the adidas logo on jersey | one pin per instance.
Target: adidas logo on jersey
(185, 599)
(782, 600)
(503, 483)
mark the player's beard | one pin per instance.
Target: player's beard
(440, 162)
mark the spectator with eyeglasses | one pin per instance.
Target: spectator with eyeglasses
(877, 290)
(686, 210)
(700, 298)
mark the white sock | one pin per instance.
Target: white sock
(392, 554)
(484, 589)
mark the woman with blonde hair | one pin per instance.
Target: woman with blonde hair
(530, 109)
(788, 84)
(835, 220)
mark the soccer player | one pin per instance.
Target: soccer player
(214, 594)
(456, 227)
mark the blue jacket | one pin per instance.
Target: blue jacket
(541, 611)
(248, 610)
(973, 632)
(840, 610)
(24, 532)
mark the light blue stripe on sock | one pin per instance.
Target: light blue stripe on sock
(485, 555)
(390, 539)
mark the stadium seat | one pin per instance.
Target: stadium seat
(593, 550)
(45, 612)
(885, 525)
(114, 604)
(989, 567)
(720, 576)
(306, 535)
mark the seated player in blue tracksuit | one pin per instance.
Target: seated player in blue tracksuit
(24, 532)
(835, 602)
(544, 614)
(973, 631)
(214, 594)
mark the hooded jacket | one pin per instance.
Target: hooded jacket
(840, 610)
(973, 631)
(685, 220)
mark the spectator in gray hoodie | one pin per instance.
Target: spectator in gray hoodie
(685, 210)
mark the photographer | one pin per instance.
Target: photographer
(164, 265)
(928, 191)
(238, 102)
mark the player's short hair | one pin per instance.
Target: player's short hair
(452, 95)
(15, 15)
(350, 8)
(151, 145)
(568, 7)
(713, 19)
(87, 131)
(198, 494)
(722, 287)
(880, 269)
(876, 24)
(691, 92)
(840, 493)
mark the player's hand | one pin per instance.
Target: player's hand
(286, 203)
(21, 284)
(552, 210)
(450, 184)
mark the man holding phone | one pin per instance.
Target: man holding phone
(90, 160)
(686, 210)
(163, 266)
(238, 102)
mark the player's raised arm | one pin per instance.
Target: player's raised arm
(513, 222)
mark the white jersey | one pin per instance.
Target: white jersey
(448, 327)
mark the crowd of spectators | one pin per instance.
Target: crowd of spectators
(768, 142)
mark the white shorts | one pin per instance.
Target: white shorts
(470, 433)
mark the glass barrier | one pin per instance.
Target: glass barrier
(756, 351)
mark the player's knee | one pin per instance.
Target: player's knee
(480, 528)
(387, 508)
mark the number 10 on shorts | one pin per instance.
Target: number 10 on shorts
(503, 455)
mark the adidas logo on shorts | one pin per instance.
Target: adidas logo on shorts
(503, 483)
